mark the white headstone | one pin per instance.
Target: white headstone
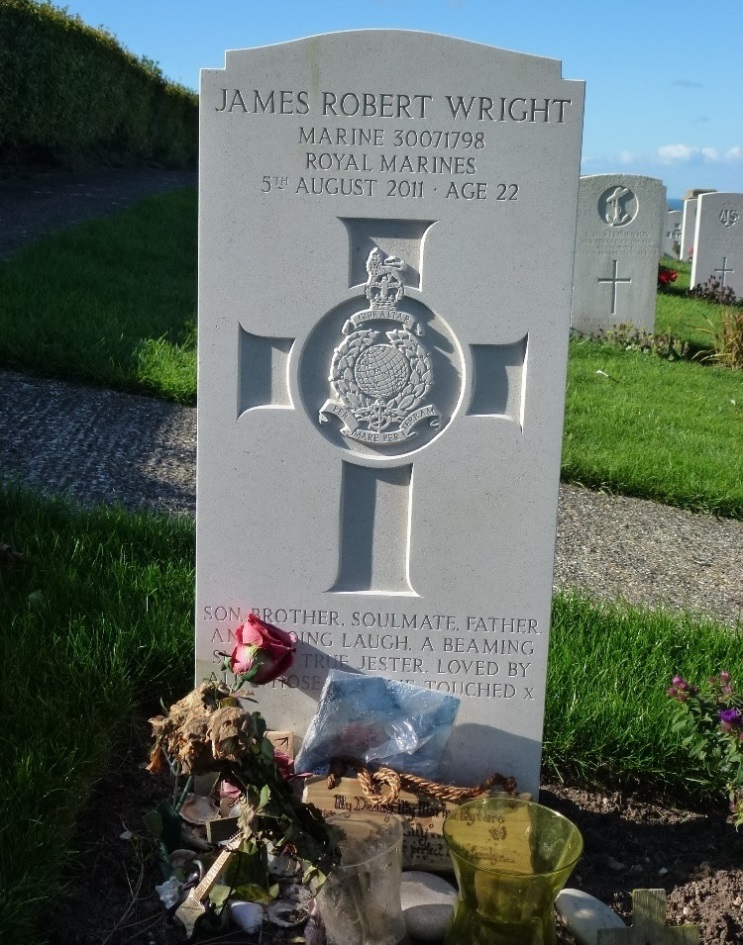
(617, 251)
(672, 234)
(719, 241)
(689, 222)
(385, 276)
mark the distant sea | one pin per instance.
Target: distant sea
(674, 203)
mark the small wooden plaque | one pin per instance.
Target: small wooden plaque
(423, 844)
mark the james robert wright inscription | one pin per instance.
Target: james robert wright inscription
(385, 277)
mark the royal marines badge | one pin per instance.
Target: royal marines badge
(382, 379)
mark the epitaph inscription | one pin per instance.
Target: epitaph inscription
(386, 484)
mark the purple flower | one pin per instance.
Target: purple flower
(724, 676)
(730, 718)
(680, 683)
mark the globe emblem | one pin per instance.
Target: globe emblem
(381, 371)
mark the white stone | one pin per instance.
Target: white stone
(718, 240)
(427, 903)
(585, 915)
(617, 251)
(672, 234)
(247, 916)
(689, 222)
(400, 517)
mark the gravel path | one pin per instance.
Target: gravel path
(44, 203)
(97, 446)
(103, 446)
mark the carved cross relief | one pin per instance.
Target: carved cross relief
(614, 280)
(381, 376)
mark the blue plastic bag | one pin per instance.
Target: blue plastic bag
(375, 721)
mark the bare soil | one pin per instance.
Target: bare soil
(630, 843)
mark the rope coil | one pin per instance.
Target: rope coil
(382, 786)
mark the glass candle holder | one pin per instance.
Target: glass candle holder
(360, 901)
(511, 857)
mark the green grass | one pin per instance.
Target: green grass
(692, 320)
(111, 302)
(671, 431)
(608, 718)
(98, 621)
(98, 624)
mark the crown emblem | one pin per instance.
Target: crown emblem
(381, 378)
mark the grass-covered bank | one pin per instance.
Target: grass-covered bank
(98, 621)
(608, 718)
(640, 425)
(73, 94)
(110, 303)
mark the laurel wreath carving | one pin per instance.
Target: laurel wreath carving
(379, 414)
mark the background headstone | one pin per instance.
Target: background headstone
(617, 250)
(689, 221)
(672, 234)
(719, 241)
(385, 279)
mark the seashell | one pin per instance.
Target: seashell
(286, 915)
(181, 858)
(247, 916)
(197, 810)
(282, 865)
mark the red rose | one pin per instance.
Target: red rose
(263, 652)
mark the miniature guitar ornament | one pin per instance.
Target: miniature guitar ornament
(193, 908)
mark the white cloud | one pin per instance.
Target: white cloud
(629, 157)
(677, 153)
(686, 154)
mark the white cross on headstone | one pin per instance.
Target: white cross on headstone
(376, 408)
(723, 270)
(614, 280)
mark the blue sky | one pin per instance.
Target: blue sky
(664, 82)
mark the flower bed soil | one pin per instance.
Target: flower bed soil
(630, 843)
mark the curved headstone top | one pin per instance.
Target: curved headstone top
(718, 241)
(621, 219)
(387, 222)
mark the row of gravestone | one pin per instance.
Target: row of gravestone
(387, 238)
(617, 250)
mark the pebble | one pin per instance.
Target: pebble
(584, 915)
(247, 916)
(427, 903)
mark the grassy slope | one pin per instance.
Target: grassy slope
(98, 620)
(671, 431)
(111, 302)
(608, 717)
